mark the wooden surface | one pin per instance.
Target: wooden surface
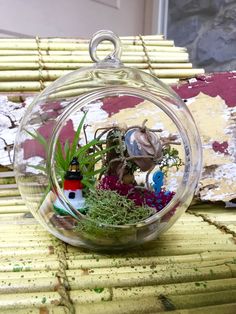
(211, 98)
(189, 269)
(212, 102)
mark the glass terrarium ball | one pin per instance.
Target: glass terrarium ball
(107, 157)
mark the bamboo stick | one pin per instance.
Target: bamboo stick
(30, 265)
(69, 39)
(84, 52)
(194, 241)
(125, 293)
(87, 296)
(197, 247)
(8, 180)
(157, 57)
(26, 234)
(6, 174)
(97, 261)
(45, 45)
(31, 75)
(10, 217)
(57, 56)
(213, 309)
(116, 294)
(11, 201)
(231, 216)
(144, 269)
(33, 310)
(34, 258)
(9, 192)
(152, 304)
(174, 289)
(26, 237)
(74, 66)
(172, 237)
(34, 227)
(19, 225)
(44, 284)
(25, 243)
(199, 226)
(8, 186)
(122, 307)
(187, 232)
(21, 300)
(51, 75)
(172, 250)
(18, 273)
(42, 242)
(125, 39)
(22, 87)
(13, 209)
(203, 299)
(11, 258)
(149, 278)
(8, 252)
(232, 268)
(151, 37)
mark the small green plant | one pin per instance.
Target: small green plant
(170, 159)
(89, 155)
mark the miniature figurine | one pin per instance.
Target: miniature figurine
(158, 178)
(72, 189)
(144, 146)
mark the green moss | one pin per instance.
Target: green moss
(107, 209)
(110, 208)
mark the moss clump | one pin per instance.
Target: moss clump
(105, 209)
(108, 207)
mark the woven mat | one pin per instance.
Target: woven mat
(190, 269)
(30, 65)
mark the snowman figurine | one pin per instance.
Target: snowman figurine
(72, 189)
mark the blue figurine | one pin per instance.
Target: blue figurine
(158, 179)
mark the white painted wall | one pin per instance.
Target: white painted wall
(71, 18)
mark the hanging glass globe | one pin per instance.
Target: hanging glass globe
(107, 157)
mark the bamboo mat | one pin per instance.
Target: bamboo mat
(189, 269)
(28, 65)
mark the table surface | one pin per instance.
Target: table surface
(189, 269)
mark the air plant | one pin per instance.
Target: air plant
(138, 147)
(89, 155)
